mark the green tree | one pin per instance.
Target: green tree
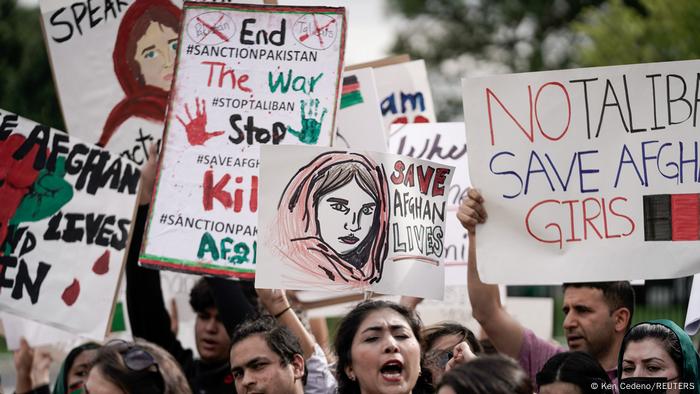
(618, 34)
(457, 37)
(26, 85)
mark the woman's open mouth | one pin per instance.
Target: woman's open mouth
(392, 370)
(349, 239)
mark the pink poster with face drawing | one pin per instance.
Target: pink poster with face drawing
(335, 219)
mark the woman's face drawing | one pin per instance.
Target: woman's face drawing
(155, 54)
(345, 217)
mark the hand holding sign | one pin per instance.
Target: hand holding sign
(310, 126)
(471, 211)
(196, 128)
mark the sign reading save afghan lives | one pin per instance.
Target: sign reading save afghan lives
(65, 213)
(333, 219)
(443, 143)
(246, 76)
(587, 175)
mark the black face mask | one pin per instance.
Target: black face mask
(647, 385)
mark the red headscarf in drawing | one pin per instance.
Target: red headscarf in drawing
(142, 101)
(297, 229)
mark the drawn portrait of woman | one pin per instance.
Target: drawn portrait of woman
(332, 219)
(144, 61)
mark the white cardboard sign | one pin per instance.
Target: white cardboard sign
(348, 220)
(404, 94)
(65, 217)
(360, 123)
(113, 64)
(443, 143)
(246, 76)
(589, 174)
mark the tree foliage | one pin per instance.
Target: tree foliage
(618, 34)
(457, 37)
(26, 85)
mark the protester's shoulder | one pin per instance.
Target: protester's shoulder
(535, 347)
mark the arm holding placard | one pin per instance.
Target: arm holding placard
(320, 378)
(503, 330)
(32, 367)
(147, 313)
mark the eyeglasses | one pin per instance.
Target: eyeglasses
(138, 359)
(135, 357)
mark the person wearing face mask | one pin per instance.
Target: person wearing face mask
(378, 348)
(658, 357)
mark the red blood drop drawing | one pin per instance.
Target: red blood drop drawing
(101, 266)
(70, 294)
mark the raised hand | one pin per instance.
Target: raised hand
(471, 211)
(16, 178)
(310, 122)
(47, 196)
(274, 300)
(196, 127)
(461, 354)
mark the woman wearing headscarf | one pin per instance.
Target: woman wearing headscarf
(144, 62)
(658, 357)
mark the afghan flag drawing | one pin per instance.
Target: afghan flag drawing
(672, 217)
(351, 92)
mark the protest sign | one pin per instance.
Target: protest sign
(40, 334)
(692, 315)
(65, 217)
(444, 143)
(588, 174)
(404, 94)
(347, 220)
(246, 76)
(113, 64)
(360, 124)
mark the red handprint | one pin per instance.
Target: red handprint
(16, 178)
(197, 128)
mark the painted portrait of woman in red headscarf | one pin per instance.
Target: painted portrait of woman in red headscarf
(144, 62)
(332, 220)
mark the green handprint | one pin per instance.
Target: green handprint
(310, 126)
(47, 196)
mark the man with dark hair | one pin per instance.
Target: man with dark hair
(616, 294)
(221, 305)
(266, 358)
(597, 315)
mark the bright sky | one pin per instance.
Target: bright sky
(370, 32)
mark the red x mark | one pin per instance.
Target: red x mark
(317, 31)
(213, 29)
